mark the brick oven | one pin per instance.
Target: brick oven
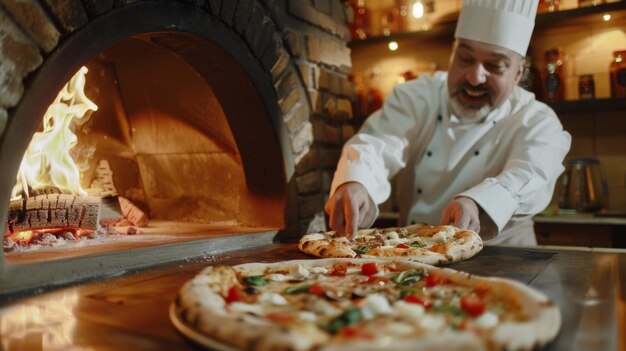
(223, 120)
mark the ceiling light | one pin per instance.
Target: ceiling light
(418, 10)
(606, 17)
(393, 46)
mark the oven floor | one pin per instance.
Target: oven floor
(157, 233)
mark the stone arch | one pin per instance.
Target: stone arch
(253, 23)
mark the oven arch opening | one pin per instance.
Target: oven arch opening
(193, 34)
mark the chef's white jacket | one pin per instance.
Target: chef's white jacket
(508, 163)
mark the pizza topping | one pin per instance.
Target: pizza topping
(419, 300)
(402, 246)
(255, 280)
(235, 294)
(361, 250)
(299, 289)
(375, 304)
(317, 289)
(409, 311)
(277, 277)
(473, 305)
(487, 320)
(348, 317)
(339, 269)
(369, 268)
(272, 299)
(444, 235)
(417, 243)
(435, 279)
(407, 277)
(299, 272)
(355, 332)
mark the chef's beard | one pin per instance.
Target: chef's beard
(469, 114)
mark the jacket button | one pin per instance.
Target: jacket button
(439, 118)
(476, 153)
(419, 191)
(428, 153)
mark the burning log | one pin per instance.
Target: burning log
(54, 210)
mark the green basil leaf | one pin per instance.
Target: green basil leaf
(256, 280)
(297, 289)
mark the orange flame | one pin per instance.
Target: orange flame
(47, 161)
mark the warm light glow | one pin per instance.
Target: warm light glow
(49, 324)
(418, 10)
(606, 17)
(393, 46)
(25, 236)
(47, 161)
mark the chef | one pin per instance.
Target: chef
(473, 149)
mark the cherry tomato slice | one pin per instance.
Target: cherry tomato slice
(473, 305)
(414, 298)
(369, 268)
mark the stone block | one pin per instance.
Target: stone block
(214, 6)
(309, 205)
(261, 37)
(281, 63)
(34, 21)
(286, 84)
(252, 31)
(309, 162)
(316, 101)
(313, 48)
(333, 53)
(302, 138)
(305, 73)
(326, 134)
(287, 103)
(69, 13)
(323, 5)
(227, 11)
(19, 55)
(296, 118)
(329, 157)
(309, 183)
(242, 15)
(348, 132)
(293, 42)
(306, 12)
(344, 109)
(95, 8)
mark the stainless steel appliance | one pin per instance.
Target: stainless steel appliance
(583, 185)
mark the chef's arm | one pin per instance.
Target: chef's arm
(525, 186)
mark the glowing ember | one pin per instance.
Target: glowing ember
(47, 161)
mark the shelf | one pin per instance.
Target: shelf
(592, 105)
(445, 29)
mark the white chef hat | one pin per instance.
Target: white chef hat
(505, 23)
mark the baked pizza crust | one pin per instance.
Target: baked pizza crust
(449, 244)
(200, 305)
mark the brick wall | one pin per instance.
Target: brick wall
(300, 43)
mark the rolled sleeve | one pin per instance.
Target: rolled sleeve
(352, 168)
(495, 200)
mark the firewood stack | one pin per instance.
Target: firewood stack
(54, 210)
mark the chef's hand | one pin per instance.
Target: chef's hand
(348, 208)
(462, 212)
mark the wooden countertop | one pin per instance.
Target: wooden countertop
(131, 312)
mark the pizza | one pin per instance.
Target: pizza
(421, 242)
(363, 304)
